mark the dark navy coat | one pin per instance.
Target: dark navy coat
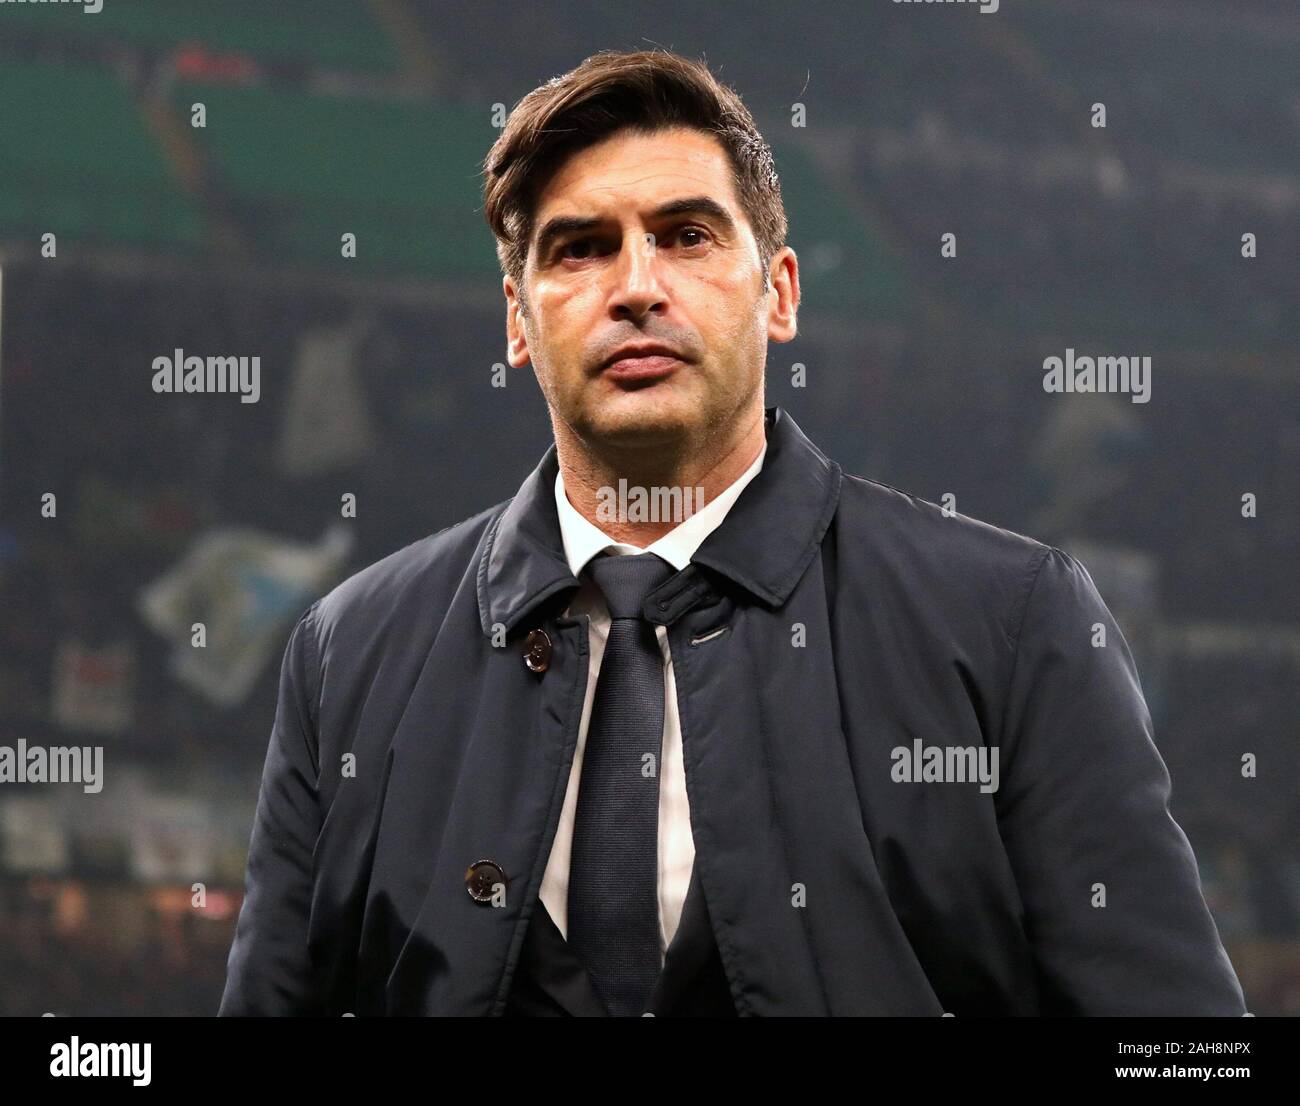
(827, 623)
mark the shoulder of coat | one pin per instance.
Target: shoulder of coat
(931, 530)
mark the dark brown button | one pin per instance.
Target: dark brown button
(481, 877)
(537, 651)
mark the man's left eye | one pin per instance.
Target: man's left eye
(692, 236)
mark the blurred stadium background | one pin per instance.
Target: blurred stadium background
(340, 116)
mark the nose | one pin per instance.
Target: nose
(637, 290)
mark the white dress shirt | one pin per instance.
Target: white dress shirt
(582, 542)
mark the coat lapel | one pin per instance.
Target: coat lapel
(549, 963)
(690, 961)
(502, 759)
(492, 788)
(506, 794)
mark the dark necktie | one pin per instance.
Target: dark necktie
(613, 905)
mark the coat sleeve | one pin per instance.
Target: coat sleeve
(1083, 808)
(269, 971)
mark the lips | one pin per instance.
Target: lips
(642, 364)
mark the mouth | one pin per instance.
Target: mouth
(642, 365)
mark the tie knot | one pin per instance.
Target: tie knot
(625, 581)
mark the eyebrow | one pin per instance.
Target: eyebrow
(561, 225)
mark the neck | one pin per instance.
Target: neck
(712, 465)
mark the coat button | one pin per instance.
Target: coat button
(481, 877)
(537, 651)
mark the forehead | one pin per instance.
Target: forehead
(634, 167)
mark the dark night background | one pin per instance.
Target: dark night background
(330, 117)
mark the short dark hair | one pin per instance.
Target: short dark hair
(646, 90)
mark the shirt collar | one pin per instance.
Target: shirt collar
(770, 535)
(584, 540)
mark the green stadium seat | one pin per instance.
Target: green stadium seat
(339, 34)
(403, 177)
(844, 266)
(79, 160)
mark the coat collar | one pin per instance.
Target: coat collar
(765, 543)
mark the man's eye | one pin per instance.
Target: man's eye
(578, 250)
(692, 236)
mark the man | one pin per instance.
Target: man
(814, 747)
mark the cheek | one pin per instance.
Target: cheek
(555, 357)
(567, 315)
(739, 323)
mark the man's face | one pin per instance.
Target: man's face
(640, 241)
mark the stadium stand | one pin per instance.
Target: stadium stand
(329, 33)
(227, 239)
(303, 169)
(79, 161)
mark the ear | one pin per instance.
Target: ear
(783, 296)
(516, 340)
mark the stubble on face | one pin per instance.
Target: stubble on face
(706, 300)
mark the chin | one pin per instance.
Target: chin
(646, 419)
